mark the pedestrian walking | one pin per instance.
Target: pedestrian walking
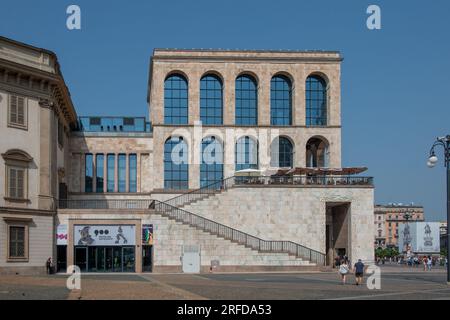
(359, 272)
(343, 270)
(429, 263)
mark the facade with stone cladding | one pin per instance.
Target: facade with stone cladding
(113, 171)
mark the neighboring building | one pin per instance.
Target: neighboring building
(139, 196)
(36, 116)
(388, 218)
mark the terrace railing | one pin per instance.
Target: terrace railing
(105, 203)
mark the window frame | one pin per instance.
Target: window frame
(316, 116)
(175, 105)
(276, 101)
(25, 226)
(18, 125)
(18, 160)
(245, 103)
(208, 100)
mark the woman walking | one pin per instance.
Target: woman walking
(344, 270)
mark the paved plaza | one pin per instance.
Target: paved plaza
(397, 282)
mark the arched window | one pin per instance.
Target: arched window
(246, 101)
(282, 153)
(211, 100)
(280, 101)
(211, 167)
(316, 101)
(176, 167)
(175, 100)
(316, 153)
(246, 156)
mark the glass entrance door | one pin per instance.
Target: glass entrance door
(81, 258)
(61, 258)
(146, 258)
(108, 259)
(128, 259)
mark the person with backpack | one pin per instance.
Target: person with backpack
(343, 271)
(359, 272)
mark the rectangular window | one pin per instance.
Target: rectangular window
(89, 173)
(121, 172)
(16, 182)
(110, 167)
(99, 166)
(17, 244)
(17, 111)
(132, 173)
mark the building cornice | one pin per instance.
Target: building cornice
(25, 211)
(51, 87)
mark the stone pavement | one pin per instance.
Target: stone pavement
(397, 282)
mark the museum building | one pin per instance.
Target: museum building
(238, 167)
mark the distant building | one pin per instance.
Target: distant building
(388, 219)
(443, 234)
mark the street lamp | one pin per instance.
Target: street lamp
(432, 161)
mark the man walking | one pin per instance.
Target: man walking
(359, 272)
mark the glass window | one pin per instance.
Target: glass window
(110, 172)
(16, 242)
(316, 101)
(89, 173)
(211, 100)
(281, 153)
(176, 167)
(211, 167)
(132, 173)
(121, 172)
(246, 101)
(16, 182)
(175, 100)
(17, 111)
(246, 154)
(280, 101)
(99, 166)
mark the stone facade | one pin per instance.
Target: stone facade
(327, 218)
(32, 74)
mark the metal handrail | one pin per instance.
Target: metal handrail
(238, 236)
(104, 203)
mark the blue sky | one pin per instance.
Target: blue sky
(395, 81)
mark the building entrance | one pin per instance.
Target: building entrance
(105, 259)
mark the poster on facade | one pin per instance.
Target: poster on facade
(147, 234)
(104, 235)
(419, 237)
(61, 235)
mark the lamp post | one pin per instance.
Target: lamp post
(432, 160)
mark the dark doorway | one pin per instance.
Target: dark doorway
(337, 231)
(147, 260)
(61, 258)
(81, 258)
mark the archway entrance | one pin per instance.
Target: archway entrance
(337, 231)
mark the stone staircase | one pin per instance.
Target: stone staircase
(232, 256)
(260, 252)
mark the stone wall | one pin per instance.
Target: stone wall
(297, 214)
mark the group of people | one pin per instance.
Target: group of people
(426, 261)
(344, 267)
